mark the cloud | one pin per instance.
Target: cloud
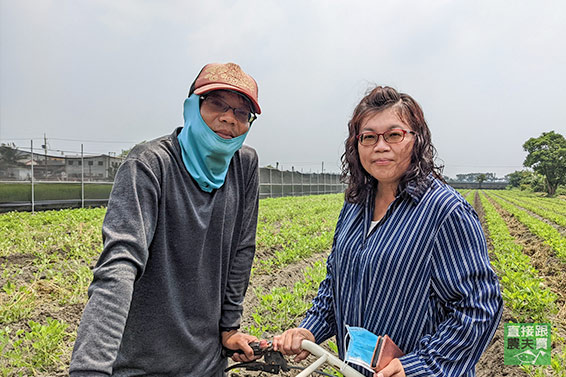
(489, 74)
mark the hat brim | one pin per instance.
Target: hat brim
(222, 86)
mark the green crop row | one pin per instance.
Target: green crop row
(524, 292)
(290, 229)
(551, 210)
(537, 195)
(543, 209)
(546, 232)
(464, 193)
(470, 196)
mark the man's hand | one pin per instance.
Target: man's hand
(393, 369)
(289, 343)
(237, 341)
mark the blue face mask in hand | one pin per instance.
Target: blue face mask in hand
(361, 347)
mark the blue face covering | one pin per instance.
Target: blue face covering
(361, 347)
(206, 155)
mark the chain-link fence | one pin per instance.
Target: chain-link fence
(33, 179)
(27, 195)
(276, 183)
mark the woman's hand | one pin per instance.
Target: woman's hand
(237, 341)
(289, 343)
(393, 369)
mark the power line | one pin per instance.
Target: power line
(96, 141)
(78, 140)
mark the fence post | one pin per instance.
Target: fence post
(282, 186)
(310, 188)
(32, 181)
(292, 181)
(270, 184)
(82, 178)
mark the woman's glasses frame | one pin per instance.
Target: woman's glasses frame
(393, 136)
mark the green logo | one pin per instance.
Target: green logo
(527, 344)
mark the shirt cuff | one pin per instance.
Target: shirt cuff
(319, 329)
(226, 329)
(413, 365)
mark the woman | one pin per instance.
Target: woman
(409, 258)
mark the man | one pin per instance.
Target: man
(179, 239)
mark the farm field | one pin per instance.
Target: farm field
(45, 262)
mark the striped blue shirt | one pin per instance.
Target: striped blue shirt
(421, 276)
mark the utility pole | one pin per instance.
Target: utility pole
(322, 171)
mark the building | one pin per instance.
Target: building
(16, 164)
(101, 167)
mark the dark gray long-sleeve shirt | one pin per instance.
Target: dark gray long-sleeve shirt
(174, 268)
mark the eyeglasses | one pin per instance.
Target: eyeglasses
(394, 136)
(218, 105)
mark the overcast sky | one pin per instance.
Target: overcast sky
(489, 74)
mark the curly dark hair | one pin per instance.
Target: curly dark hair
(361, 183)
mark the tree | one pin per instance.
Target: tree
(474, 177)
(516, 178)
(547, 156)
(526, 180)
(125, 152)
(481, 179)
(10, 155)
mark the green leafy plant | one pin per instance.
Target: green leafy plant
(29, 352)
(281, 307)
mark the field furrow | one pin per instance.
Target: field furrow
(550, 235)
(537, 207)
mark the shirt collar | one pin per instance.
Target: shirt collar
(415, 190)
